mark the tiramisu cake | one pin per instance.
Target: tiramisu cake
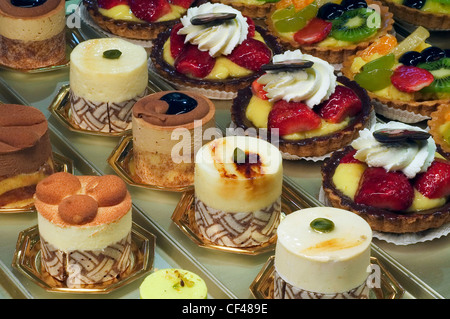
(168, 127)
(238, 184)
(32, 33)
(322, 252)
(25, 154)
(107, 76)
(85, 227)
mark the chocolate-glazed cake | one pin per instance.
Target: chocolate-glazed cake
(168, 127)
(238, 184)
(85, 227)
(32, 36)
(107, 76)
(25, 154)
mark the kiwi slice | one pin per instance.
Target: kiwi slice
(441, 72)
(355, 25)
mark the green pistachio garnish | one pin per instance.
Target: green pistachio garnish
(112, 54)
(322, 225)
(239, 156)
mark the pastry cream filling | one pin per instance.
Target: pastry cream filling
(123, 12)
(331, 262)
(72, 238)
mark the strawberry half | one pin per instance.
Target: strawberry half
(182, 3)
(315, 31)
(435, 182)
(349, 158)
(342, 103)
(411, 78)
(176, 40)
(193, 62)
(251, 54)
(108, 4)
(251, 27)
(292, 117)
(149, 10)
(258, 90)
(383, 189)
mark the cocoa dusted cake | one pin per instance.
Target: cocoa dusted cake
(85, 227)
(238, 184)
(168, 127)
(25, 154)
(32, 33)
(107, 76)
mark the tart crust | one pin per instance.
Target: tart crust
(167, 71)
(424, 108)
(438, 119)
(315, 146)
(429, 20)
(338, 55)
(382, 220)
(253, 11)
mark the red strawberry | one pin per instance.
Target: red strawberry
(176, 40)
(342, 103)
(315, 31)
(258, 90)
(251, 27)
(411, 78)
(349, 158)
(435, 182)
(383, 189)
(292, 117)
(108, 4)
(149, 10)
(251, 54)
(193, 62)
(182, 3)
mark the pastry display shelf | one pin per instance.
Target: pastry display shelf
(422, 269)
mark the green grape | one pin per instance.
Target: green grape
(309, 12)
(385, 62)
(290, 24)
(284, 13)
(374, 80)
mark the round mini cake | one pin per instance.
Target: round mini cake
(84, 227)
(32, 35)
(322, 252)
(25, 154)
(238, 184)
(107, 76)
(173, 284)
(168, 127)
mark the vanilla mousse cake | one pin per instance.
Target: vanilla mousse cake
(85, 227)
(107, 76)
(238, 184)
(322, 252)
(25, 154)
(32, 33)
(168, 127)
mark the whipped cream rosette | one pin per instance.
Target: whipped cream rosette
(301, 103)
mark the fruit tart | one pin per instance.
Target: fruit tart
(407, 81)
(214, 50)
(431, 14)
(392, 177)
(302, 106)
(329, 30)
(439, 125)
(136, 19)
(251, 8)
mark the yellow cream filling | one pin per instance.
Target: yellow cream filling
(123, 12)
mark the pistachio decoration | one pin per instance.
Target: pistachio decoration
(322, 225)
(399, 135)
(239, 156)
(112, 54)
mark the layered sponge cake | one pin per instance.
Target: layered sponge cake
(238, 184)
(32, 34)
(85, 227)
(322, 252)
(107, 76)
(25, 154)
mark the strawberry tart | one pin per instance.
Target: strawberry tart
(392, 177)
(439, 125)
(406, 80)
(300, 104)
(136, 19)
(251, 8)
(214, 49)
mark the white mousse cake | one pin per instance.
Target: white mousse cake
(107, 76)
(238, 184)
(322, 252)
(85, 227)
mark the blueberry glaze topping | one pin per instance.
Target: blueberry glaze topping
(27, 3)
(179, 103)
